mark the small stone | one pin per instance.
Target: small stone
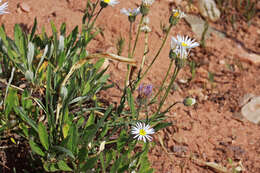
(222, 62)
(198, 26)
(22, 86)
(251, 111)
(183, 81)
(25, 7)
(250, 57)
(209, 10)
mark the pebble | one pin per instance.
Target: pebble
(25, 7)
(251, 111)
(209, 10)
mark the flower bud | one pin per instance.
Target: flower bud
(189, 101)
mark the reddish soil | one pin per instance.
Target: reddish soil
(210, 131)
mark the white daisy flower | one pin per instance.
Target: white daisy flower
(130, 12)
(178, 13)
(147, 2)
(184, 42)
(110, 2)
(3, 8)
(142, 132)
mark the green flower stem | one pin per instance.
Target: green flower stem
(92, 13)
(145, 50)
(133, 51)
(111, 142)
(137, 35)
(94, 20)
(175, 73)
(161, 87)
(155, 57)
(129, 54)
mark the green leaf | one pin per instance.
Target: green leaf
(35, 148)
(99, 63)
(72, 138)
(43, 135)
(91, 119)
(116, 165)
(30, 54)
(86, 88)
(122, 140)
(50, 167)
(33, 29)
(64, 150)
(131, 102)
(65, 130)
(63, 29)
(3, 36)
(23, 115)
(161, 125)
(89, 164)
(11, 101)
(63, 166)
(90, 133)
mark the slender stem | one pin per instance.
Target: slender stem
(94, 20)
(161, 87)
(145, 50)
(92, 13)
(176, 71)
(155, 57)
(137, 36)
(111, 142)
(129, 54)
(130, 39)
(133, 51)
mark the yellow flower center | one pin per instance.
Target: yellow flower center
(142, 132)
(184, 44)
(107, 1)
(176, 14)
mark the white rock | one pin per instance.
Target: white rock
(25, 7)
(251, 111)
(208, 9)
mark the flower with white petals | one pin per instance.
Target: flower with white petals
(104, 3)
(178, 13)
(184, 42)
(182, 45)
(130, 12)
(142, 132)
(3, 8)
(147, 3)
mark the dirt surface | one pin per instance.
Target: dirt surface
(209, 132)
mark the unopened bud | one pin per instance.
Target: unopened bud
(189, 101)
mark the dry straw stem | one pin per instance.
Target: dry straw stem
(81, 62)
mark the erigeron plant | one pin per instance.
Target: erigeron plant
(59, 113)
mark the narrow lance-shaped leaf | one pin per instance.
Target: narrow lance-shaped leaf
(36, 148)
(43, 135)
(63, 166)
(30, 54)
